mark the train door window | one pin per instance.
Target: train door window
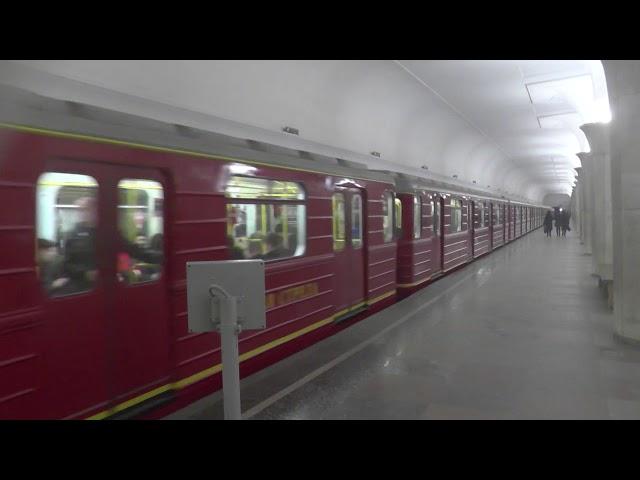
(66, 221)
(417, 217)
(338, 222)
(485, 214)
(265, 218)
(497, 210)
(387, 217)
(435, 205)
(356, 221)
(141, 227)
(456, 216)
(480, 207)
(398, 217)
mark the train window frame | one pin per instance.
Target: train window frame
(339, 244)
(486, 219)
(57, 221)
(157, 212)
(397, 217)
(436, 222)
(417, 217)
(387, 217)
(356, 243)
(268, 207)
(452, 214)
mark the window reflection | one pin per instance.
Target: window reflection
(140, 222)
(265, 220)
(66, 221)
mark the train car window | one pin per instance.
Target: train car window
(456, 216)
(66, 221)
(387, 214)
(497, 209)
(338, 222)
(265, 218)
(417, 217)
(485, 214)
(141, 227)
(398, 217)
(356, 221)
(436, 215)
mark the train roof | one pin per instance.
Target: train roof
(409, 184)
(40, 114)
(29, 111)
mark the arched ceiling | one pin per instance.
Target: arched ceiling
(531, 109)
(509, 126)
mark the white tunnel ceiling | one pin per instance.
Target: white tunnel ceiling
(531, 109)
(510, 125)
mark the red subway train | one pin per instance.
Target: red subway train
(100, 211)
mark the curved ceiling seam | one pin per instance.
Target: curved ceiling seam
(460, 114)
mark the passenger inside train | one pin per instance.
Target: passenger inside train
(265, 218)
(67, 223)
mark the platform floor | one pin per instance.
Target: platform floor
(524, 333)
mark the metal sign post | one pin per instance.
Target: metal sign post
(224, 314)
(227, 296)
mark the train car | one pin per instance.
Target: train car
(499, 223)
(419, 240)
(109, 207)
(93, 309)
(482, 226)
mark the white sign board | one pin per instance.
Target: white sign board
(243, 279)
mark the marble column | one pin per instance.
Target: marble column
(623, 84)
(579, 204)
(587, 201)
(601, 226)
(575, 211)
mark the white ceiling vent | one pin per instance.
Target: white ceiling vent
(569, 91)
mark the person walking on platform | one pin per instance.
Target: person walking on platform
(565, 216)
(548, 223)
(558, 223)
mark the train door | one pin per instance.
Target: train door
(489, 211)
(139, 311)
(100, 257)
(505, 223)
(437, 211)
(512, 234)
(348, 246)
(71, 231)
(472, 226)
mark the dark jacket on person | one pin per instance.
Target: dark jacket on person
(80, 255)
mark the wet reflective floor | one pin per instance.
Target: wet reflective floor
(524, 333)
